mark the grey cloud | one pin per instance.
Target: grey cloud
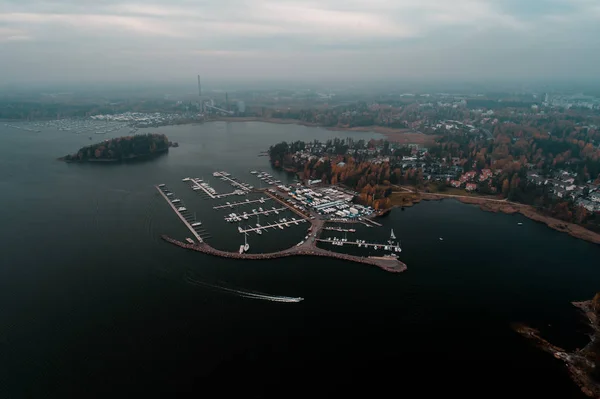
(68, 39)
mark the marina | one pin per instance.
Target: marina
(328, 202)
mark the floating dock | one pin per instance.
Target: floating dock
(265, 212)
(273, 226)
(161, 190)
(340, 229)
(388, 247)
(234, 204)
(233, 181)
(199, 185)
(288, 206)
(195, 182)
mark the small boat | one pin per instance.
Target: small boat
(181, 209)
(189, 240)
(519, 224)
(441, 239)
(259, 231)
(196, 224)
(185, 179)
(241, 249)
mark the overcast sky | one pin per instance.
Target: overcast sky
(111, 40)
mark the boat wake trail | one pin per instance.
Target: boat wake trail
(243, 294)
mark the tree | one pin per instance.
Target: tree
(505, 187)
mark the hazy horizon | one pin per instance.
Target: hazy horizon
(246, 42)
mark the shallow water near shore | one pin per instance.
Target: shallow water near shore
(94, 301)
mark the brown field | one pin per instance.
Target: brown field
(403, 136)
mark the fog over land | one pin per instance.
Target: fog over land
(240, 41)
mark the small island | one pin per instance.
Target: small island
(128, 148)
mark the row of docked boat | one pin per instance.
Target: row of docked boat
(264, 176)
(181, 209)
(246, 246)
(233, 217)
(281, 223)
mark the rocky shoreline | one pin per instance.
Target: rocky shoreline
(582, 364)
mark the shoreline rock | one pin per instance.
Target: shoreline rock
(582, 364)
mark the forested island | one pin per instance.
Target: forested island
(141, 146)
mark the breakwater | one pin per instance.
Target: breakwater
(390, 265)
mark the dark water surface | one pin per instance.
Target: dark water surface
(93, 302)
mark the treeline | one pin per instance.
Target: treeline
(122, 148)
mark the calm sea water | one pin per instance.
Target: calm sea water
(93, 302)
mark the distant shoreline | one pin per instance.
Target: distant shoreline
(393, 134)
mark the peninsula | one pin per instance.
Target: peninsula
(128, 148)
(385, 174)
(583, 364)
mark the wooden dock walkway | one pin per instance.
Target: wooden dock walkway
(291, 208)
(273, 226)
(189, 226)
(234, 204)
(264, 212)
(231, 180)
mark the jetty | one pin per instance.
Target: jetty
(341, 242)
(233, 181)
(162, 190)
(340, 229)
(236, 217)
(291, 208)
(234, 204)
(307, 248)
(271, 226)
